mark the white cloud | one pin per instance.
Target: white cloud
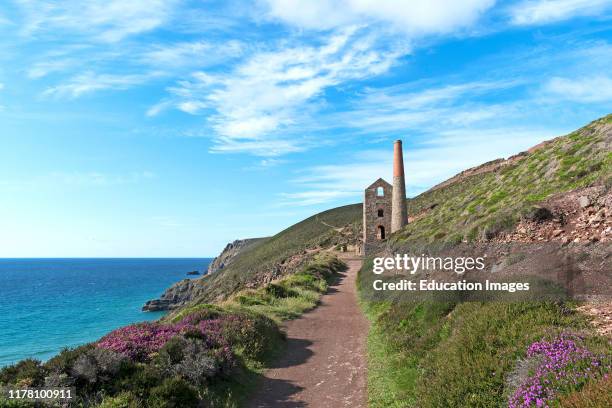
(416, 17)
(105, 20)
(44, 68)
(195, 53)
(550, 11)
(258, 107)
(441, 157)
(587, 89)
(89, 82)
(401, 108)
(1, 86)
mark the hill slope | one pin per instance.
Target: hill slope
(476, 204)
(438, 350)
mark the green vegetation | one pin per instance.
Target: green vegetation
(211, 354)
(440, 351)
(291, 296)
(434, 354)
(481, 205)
(313, 232)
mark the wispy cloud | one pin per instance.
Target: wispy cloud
(403, 108)
(592, 89)
(418, 17)
(256, 107)
(195, 53)
(551, 11)
(89, 82)
(427, 164)
(103, 20)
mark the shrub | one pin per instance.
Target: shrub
(173, 393)
(122, 400)
(63, 362)
(97, 365)
(139, 341)
(141, 381)
(192, 360)
(564, 365)
(278, 291)
(27, 372)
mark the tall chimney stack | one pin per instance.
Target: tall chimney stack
(399, 212)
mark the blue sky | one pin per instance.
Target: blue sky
(170, 127)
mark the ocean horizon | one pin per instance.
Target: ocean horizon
(47, 304)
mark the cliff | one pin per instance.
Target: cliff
(180, 293)
(230, 252)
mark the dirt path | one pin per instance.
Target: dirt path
(324, 364)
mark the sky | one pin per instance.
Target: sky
(167, 128)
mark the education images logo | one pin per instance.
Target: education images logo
(402, 264)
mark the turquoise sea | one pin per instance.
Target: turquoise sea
(49, 304)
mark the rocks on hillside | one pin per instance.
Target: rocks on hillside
(181, 293)
(175, 296)
(579, 216)
(229, 253)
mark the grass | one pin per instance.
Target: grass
(266, 254)
(291, 296)
(486, 203)
(439, 354)
(447, 352)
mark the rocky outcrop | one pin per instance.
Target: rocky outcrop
(578, 216)
(184, 291)
(175, 296)
(229, 253)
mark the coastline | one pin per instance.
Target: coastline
(73, 301)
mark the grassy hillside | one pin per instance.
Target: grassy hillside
(268, 255)
(467, 209)
(480, 205)
(448, 353)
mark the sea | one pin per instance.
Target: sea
(49, 304)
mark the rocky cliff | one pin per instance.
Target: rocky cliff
(229, 253)
(180, 293)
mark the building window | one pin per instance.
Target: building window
(381, 213)
(380, 192)
(381, 232)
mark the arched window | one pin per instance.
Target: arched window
(381, 213)
(380, 192)
(380, 232)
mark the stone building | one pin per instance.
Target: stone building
(376, 213)
(384, 206)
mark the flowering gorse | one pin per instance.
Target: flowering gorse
(563, 365)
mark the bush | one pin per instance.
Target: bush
(279, 292)
(173, 393)
(63, 362)
(139, 341)
(97, 365)
(123, 400)
(27, 372)
(189, 359)
(141, 381)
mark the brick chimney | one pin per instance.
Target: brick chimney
(399, 212)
